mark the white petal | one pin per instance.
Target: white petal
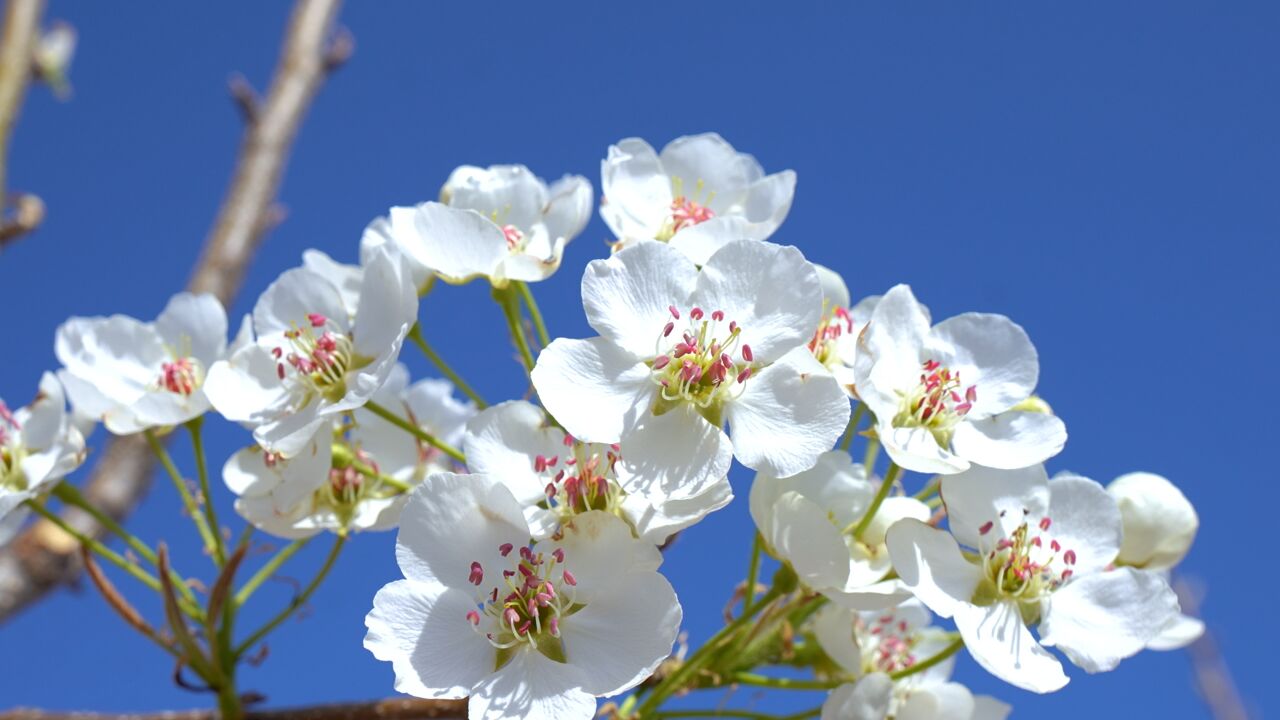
(802, 535)
(600, 550)
(194, 326)
(287, 302)
(396, 232)
(707, 165)
(593, 387)
(835, 483)
(506, 194)
(411, 622)
(504, 440)
(636, 190)
(346, 278)
(245, 385)
(117, 355)
(569, 209)
(458, 244)
(654, 521)
(677, 455)
(388, 307)
(997, 638)
(835, 293)
(433, 405)
(771, 291)
(941, 701)
(986, 707)
(1100, 619)
(788, 415)
(1159, 522)
(916, 449)
(867, 700)
(929, 562)
(532, 687)
(833, 626)
(1086, 520)
(622, 635)
(891, 511)
(627, 297)
(1179, 633)
(889, 351)
(767, 202)
(1011, 439)
(981, 495)
(992, 352)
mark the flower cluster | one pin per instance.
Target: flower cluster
(530, 532)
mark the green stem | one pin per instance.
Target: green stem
(853, 427)
(872, 453)
(510, 302)
(189, 502)
(929, 489)
(930, 661)
(743, 678)
(753, 572)
(415, 431)
(280, 558)
(229, 707)
(110, 556)
(889, 479)
(297, 602)
(416, 336)
(704, 654)
(369, 472)
(544, 338)
(202, 469)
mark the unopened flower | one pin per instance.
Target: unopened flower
(809, 521)
(681, 352)
(39, 445)
(313, 361)
(1039, 555)
(133, 376)
(534, 631)
(502, 223)
(557, 477)
(699, 194)
(947, 396)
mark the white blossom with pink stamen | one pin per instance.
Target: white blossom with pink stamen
(1039, 553)
(835, 341)
(948, 395)
(698, 194)
(133, 376)
(684, 351)
(556, 477)
(39, 445)
(534, 630)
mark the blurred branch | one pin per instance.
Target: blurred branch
(1213, 677)
(394, 709)
(42, 557)
(17, 54)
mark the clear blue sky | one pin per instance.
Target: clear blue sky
(1105, 174)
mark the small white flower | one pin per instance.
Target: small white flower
(1159, 527)
(133, 375)
(835, 342)
(681, 352)
(870, 646)
(533, 631)
(1040, 553)
(698, 195)
(946, 396)
(313, 360)
(428, 404)
(557, 478)
(39, 445)
(502, 223)
(808, 521)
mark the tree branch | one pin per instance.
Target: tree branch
(393, 709)
(17, 53)
(42, 558)
(1213, 677)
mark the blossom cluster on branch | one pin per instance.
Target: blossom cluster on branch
(530, 533)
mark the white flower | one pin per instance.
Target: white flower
(1040, 555)
(1159, 527)
(699, 194)
(503, 223)
(557, 478)
(945, 396)
(532, 631)
(39, 445)
(808, 521)
(429, 404)
(835, 342)
(312, 360)
(133, 375)
(681, 352)
(870, 646)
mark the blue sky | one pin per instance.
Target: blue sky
(1104, 174)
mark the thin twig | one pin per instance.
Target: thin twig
(390, 709)
(30, 567)
(1213, 677)
(17, 52)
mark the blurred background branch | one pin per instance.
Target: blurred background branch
(394, 709)
(43, 558)
(1213, 677)
(17, 56)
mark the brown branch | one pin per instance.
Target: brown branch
(1213, 677)
(41, 559)
(393, 709)
(17, 53)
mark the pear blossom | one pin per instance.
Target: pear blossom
(132, 375)
(533, 630)
(39, 445)
(873, 646)
(556, 477)
(698, 194)
(835, 341)
(312, 360)
(948, 395)
(1039, 555)
(1159, 527)
(681, 352)
(428, 404)
(502, 223)
(809, 520)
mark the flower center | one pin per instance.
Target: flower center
(584, 481)
(183, 376)
(887, 642)
(515, 238)
(835, 324)
(12, 453)
(1025, 566)
(698, 367)
(320, 355)
(937, 403)
(686, 211)
(534, 595)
